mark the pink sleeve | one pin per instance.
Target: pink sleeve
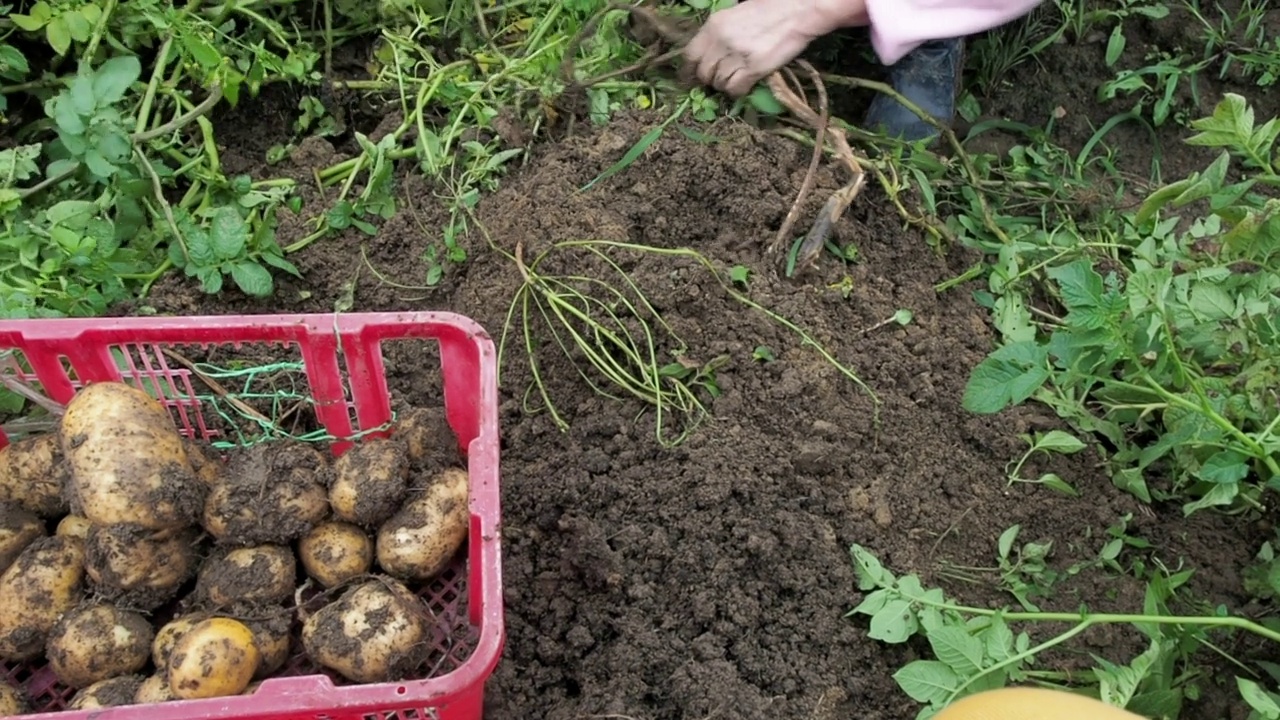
(899, 26)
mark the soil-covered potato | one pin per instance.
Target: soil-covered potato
(96, 642)
(18, 529)
(420, 540)
(169, 634)
(427, 436)
(255, 575)
(127, 460)
(33, 473)
(12, 701)
(74, 526)
(335, 552)
(269, 493)
(216, 658)
(140, 568)
(45, 581)
(372, 479)
(208, 470)
(112, 692)
(375, 632)
(271, 633)
(155, 689)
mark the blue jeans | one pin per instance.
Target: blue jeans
(929, 77)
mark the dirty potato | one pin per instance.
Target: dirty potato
(112, 692)
(255, 575)
(427, 435)
(96, 642)
(269, 493)
(155, 689)
(12, 701)
(216, 658)
(74, 526)
(372, 479)
(45, 581)
(420, 540)
(375, 632)
(127, 460)
(18, 529)
(335, 552)
(33, 473)
(137, 567)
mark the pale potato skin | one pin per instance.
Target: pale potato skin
(112, 692)
(18, 529)
(74, 526)
(155, 689)
(33, 473)
(12, 701)
(340, 635)
(45, 581)
(97, 642)
(420, 540)
(216, 658)
(138, 567)
(169, 634)
(262, 574)
(372, 479)
(335, 552)
(128, 462)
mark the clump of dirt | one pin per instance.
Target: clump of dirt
(713, 577)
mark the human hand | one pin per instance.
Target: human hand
(742, 44)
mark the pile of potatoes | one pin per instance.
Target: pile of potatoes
(143, 569)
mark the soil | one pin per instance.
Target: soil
(713, 578)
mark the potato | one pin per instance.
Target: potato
(209, 471)
(427, 435)
(112, 692)
(372, 480)
(74, 526)
(44, 582)
(271, 634)
(33, 473)
(140, 568)
(169, 634)
(18, 529)
(127, 460)
(257, 575)
(96, 642)
(154, 689)
(420, 540)
(270, 493)
(215, 658)
(335, 552)
(375, 632)
(12, 701)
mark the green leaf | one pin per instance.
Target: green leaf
(1079, 283)
(77, 25)
(114, 77)
(762, 99)
(228, 233)
(252, 278)
(894, 623)
(1230, 125)
(1115, 45)
(954, 646)
(58, 35)
(279, 262)
(1005, 544)
(200, 50)
(1258, 698)
(1007, 377)
(1224, 467)
(98, 164)
(1060, 442)
(927, 681)
(40, 14)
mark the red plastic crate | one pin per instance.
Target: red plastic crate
(470, 592)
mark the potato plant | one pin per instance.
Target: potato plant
(145, 567)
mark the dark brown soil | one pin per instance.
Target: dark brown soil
(711, 579)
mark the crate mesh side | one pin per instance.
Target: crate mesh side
(223, 393)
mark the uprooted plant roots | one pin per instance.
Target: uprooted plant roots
(665, 39)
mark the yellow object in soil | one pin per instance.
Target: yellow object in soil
(1029, 703)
